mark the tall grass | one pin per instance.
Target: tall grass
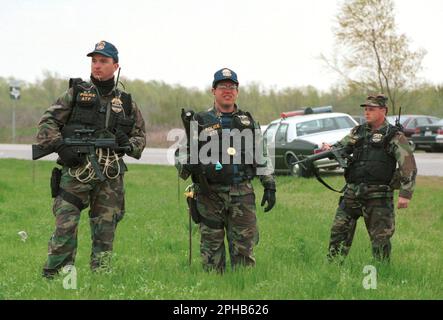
(150, 257)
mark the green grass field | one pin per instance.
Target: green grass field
(150, 258)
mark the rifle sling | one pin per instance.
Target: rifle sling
(323, 182)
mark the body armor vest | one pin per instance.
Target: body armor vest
(372, 161)
(239, 150)
(89, 113)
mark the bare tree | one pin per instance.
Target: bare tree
(372, 56)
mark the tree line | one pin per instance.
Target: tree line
(161, 103)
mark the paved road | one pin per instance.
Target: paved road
(429, 164)
(149, 156)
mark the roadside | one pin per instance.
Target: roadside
(429, 164)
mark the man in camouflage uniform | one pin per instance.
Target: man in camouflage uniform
(225, 199)
(376, 147)
(102, 108)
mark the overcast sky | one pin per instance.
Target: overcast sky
(275, 43)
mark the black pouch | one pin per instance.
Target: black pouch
(192, 207)
(55, 182)
(125, 125)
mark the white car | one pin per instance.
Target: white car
(297, 136)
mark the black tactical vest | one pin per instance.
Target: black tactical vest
(89, 113)
(372, 161)
(244, 148)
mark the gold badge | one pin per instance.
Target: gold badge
(226, 73)
(377, 137)
(244, 120)
(100, 45)
(231, 151)
(116, 102)
(117, 105)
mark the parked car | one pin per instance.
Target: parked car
(295, 137)
(410, 122)
(429, 137)
(359, 119)
(263, 128)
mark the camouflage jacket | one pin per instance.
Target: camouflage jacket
(57, 115)
(400, 148)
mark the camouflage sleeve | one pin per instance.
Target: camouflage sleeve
(406, 164)
(265, 170)
(348, 139)
(137, 137)
(53, 119)
(268, 182)
(181, 157)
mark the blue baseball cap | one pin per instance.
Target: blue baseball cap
(106, 49)
(224, 74)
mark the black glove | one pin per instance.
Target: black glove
(122, 139)
(268, 196)
(68, 156)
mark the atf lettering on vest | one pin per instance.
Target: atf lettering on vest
(89, 113)
(86, 97)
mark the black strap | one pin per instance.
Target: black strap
(323, 182)
(72, 199)
(74, 81)
(127, 102)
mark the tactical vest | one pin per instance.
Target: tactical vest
(242, 151)
(89, 113)
(372, 161)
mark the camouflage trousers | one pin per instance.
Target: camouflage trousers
(229, 211)
(378, 214)
(106, 203)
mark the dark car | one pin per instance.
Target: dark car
(429, 137)
(410, 122)
(293, 137)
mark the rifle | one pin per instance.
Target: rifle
(187, 117)
(340, 154)
(84, 143)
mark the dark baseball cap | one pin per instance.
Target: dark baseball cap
(379, 100)
(106, 49)
(224, 74)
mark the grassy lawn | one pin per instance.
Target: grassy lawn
(150, 258)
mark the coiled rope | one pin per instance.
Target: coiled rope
(108, 162)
